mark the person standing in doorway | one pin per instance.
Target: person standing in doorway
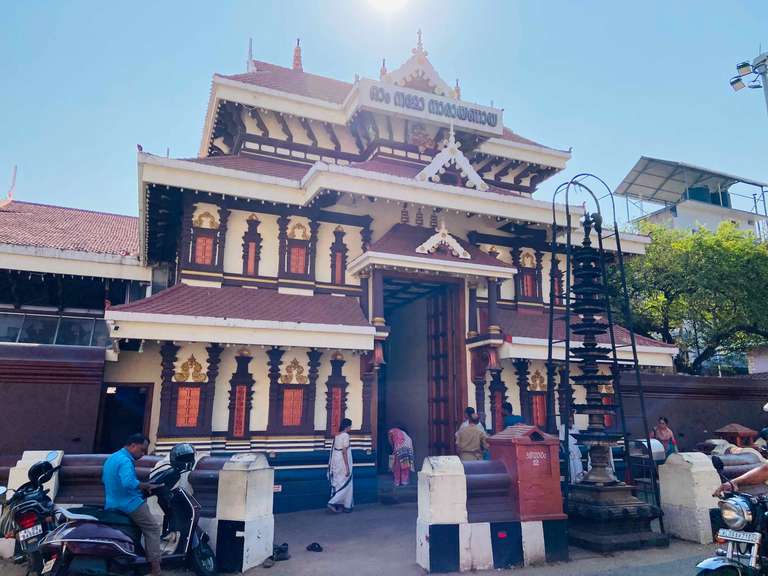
(402, 456)
(471, 440)
(340, 470)
(663, 433)
(468, 411)
(509, 416)
(123, 492)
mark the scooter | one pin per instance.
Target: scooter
(99, 542)
(29, 514)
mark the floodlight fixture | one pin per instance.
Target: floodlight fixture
(744, 68)
(737, 83)
(755, 85)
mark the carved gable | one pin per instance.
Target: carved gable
(448, 156)
(418, 73)
(443, 238)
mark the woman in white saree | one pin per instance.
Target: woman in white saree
(340, 470)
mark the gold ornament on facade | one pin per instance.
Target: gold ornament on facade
(190, 369)
(528, 261)
(206, 220)
(244, 351)
(294, 371)
(298, 232)
(253, 218)
(538, 382)
(337, 355)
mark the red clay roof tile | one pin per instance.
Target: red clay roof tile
(256, 165)
(249, 304)
(45, 226)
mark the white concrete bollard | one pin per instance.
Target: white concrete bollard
(245, 523)
(687, 481)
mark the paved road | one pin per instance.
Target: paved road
(380, 541)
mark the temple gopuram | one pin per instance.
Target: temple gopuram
(370, 250)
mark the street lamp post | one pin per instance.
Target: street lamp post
(759, 72)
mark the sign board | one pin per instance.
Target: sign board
(384, 97)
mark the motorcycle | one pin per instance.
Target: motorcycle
(29, 514)
(98, 542)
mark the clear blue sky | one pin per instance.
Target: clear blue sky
(84, 82)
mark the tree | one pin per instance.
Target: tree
(703, 291)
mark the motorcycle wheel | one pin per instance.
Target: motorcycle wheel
(202, 560)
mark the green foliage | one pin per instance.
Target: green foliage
(702, 291)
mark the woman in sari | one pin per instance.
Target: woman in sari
(340, 470)
(402, 456)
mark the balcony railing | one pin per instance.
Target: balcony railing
(56, 330)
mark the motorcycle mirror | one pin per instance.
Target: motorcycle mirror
(765, 407)
(52, 455)
(3, 490)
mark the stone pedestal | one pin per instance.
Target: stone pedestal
(245, 524)
(687, 481)
(610, 518)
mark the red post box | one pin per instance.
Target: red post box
(533, 463)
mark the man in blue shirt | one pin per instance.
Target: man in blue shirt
(123, 492)
(509, 417)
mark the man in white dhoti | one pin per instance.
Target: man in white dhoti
(340, 470)
(575, 466)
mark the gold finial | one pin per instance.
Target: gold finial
(297, 56)
(383, 71)
(419, 45)
(457, 90)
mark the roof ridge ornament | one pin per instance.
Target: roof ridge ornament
(419, 70)
(443, 238)
(9, 197)
(297, 57)
(451, 154)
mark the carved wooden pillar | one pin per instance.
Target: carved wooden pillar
(564, 392)
(168, 353)
(477, 371)
(557, 276)
(367, 376)
(378, 298)
(365, 279)
(275, 356)
(222, 243)
(516, 253)
(365, 236)
(336, 395)
(498, 394)
(208, 391)
(240, 399)
(493, 307)
(472, 311)
(521, 369)
(313, 363)
(314, 226)
(282, 236)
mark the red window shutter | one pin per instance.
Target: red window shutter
(204, 250)
(529, 284)
(608, 419)
(187, 407)
(238, 428)
(338, 268)
(250, 267)
(335, 409)
(293, 399)
(498, 416)
(539, 405)
(298, 260)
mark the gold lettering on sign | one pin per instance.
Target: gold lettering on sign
(294, 371)
(190, 369)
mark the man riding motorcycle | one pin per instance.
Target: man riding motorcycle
(123, 492)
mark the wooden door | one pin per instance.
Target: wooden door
(445, 346)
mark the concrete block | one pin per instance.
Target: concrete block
(475, 550)
(687, 481)
(18, 475)
(422, 544)
(245, 488)
(258, 539)
(442, 494)
(534, 550)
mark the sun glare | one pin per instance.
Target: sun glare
(388, 5)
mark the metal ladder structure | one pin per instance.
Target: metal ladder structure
(577, 184)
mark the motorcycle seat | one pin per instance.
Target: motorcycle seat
(111, 517)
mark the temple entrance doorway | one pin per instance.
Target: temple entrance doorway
(124, 411)
(422, 385)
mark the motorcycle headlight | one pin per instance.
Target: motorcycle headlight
(736, 512)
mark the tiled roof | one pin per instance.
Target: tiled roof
(390, 166)
(256, 165)
(284, 79)
(302, 83)
(249, 304)
(534, 323)
(403, 239)
(45, 226)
